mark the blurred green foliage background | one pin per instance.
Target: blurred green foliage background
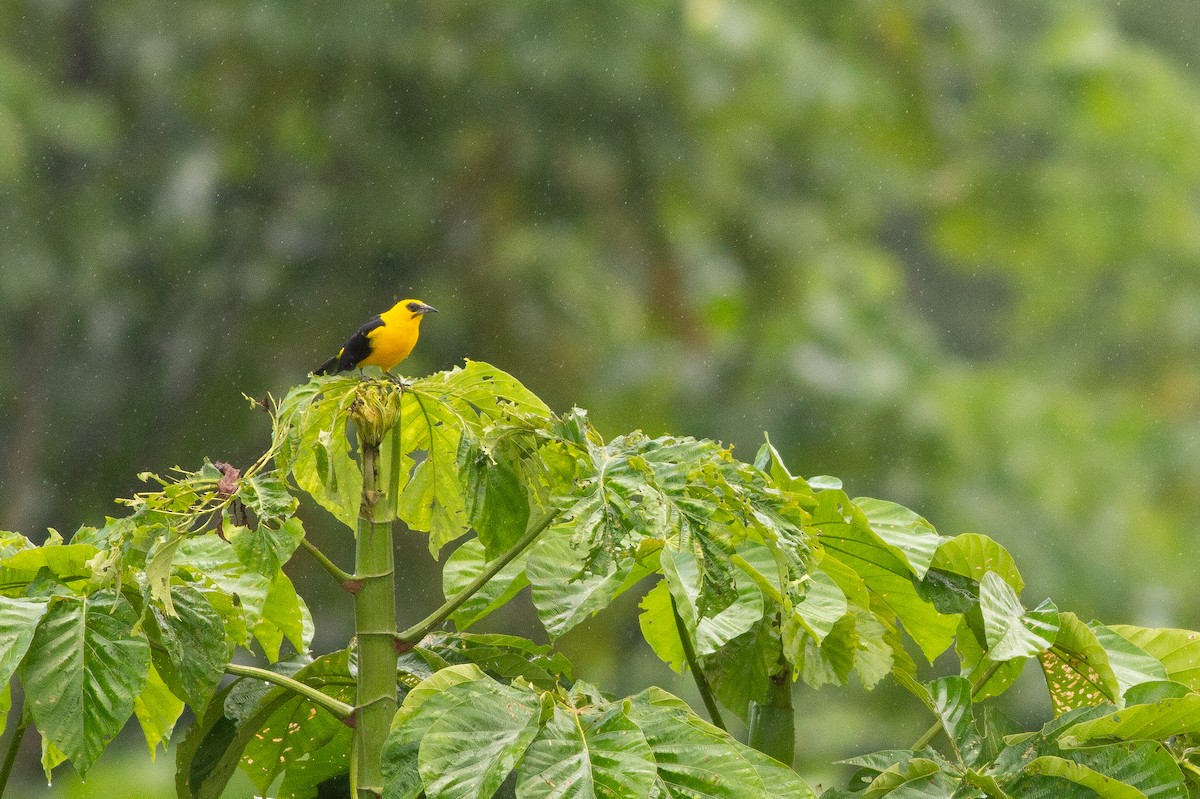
(946, 250)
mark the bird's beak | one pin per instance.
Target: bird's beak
(424, 309)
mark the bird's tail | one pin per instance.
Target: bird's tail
(327, 368)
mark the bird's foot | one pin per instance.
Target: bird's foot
(400, 381)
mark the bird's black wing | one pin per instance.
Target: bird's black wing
(356, 350)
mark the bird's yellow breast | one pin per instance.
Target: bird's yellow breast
(394, 340)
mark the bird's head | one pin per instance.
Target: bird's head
(415, 308)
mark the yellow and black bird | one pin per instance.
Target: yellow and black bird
(384, 341)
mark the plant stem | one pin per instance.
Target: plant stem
(375, 624)
(334, 706)
(10, 757)
(772, 722)
(328, 565)
(422, 628)
(689, 654)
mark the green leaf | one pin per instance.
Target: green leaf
(1177, 650)
(85, 667)
(657, 622)
(1011, 632)
(580, 755)
(496, 504)
(484, 389)
(207, 756)
(473, 745)
(1077, 669)
(464, 565)
(823, 605)
(67, 562)
(267, 495)
(305, 744)
(284, 615)
(740, 672)
(1145, 766)
(1131, 664)
(563, 593)
(504, 656)
(422, 707)
(213, 560)
(904, 531)
(191, 646)
(432, 500)
(975, 661)
(1105, 787)
(318, 449)
(265, 548)
(917, 778)
(157, 710)
(18, 621)
(683, 577)
(888, 580)
(950, 699)
(699, 761)
(973, 555)
(1155, 721)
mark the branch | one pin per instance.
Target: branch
(422, 628)
(343, 577)
(10, 757)
(689, 653)
(334, 706)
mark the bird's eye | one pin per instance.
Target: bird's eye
(414, 306)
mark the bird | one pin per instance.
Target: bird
(384, 341)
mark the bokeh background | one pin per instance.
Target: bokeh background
(948, 250)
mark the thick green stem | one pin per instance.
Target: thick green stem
(10, 757)
(375, 625)
(334, 706)
(689, 654)
(772, 723)
(426, 625)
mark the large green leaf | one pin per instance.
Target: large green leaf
(85, 667)
(657, 622)
(581, 755)
(422, 707)
(1011, 632)
(1077, 668)
(496, 504)
(1177, 650)
(157, 709)
(684, 579)
(1131, 664)
(267, 547)
(564, 592)
(317, 450)
(464, 565)
(213, 560)
(888, 579)
(478, 387)
(699, 761)
(973, 555)
(284, 615)
(432, 500)
(191, 645)
(917, 778)
(469, 750)
(298, 740)
(1155, 721)
(950, 699)
(907, 533)
(18, 621)
(1145, 766)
